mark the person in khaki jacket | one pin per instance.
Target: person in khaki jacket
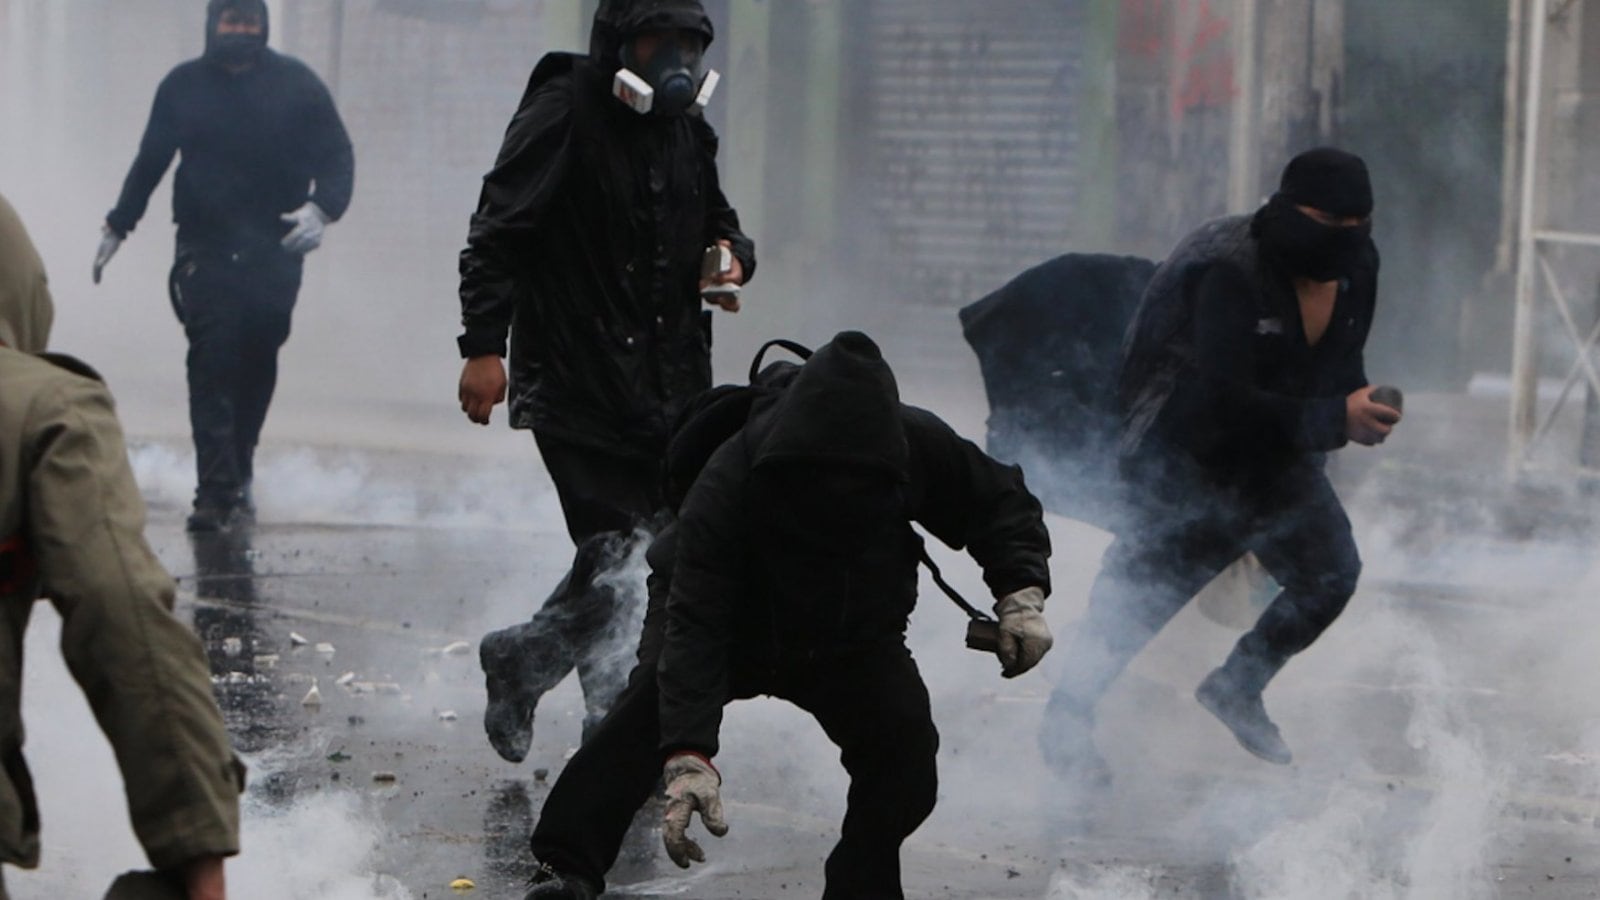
(72, 531)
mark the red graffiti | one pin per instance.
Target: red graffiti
(1192, 38)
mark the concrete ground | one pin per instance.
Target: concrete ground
(1444, 729)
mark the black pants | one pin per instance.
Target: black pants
(871, 703)
(236, 315)
(1181, 538)
(604, 499)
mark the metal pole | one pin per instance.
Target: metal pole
(1515, 76)
(1244, 179)
(1524, 356)
(336, 49)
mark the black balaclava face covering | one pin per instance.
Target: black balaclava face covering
(235, 49)
(674, 71)
(1329, 180)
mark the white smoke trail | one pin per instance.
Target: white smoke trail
(324, 846)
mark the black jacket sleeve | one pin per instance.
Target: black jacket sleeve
(156, 149)
(722, 222)
(332, 159)
(1219, 396)
(707, 584)
(517, 195)
(970, 501)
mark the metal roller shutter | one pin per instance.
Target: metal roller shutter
(969, 151)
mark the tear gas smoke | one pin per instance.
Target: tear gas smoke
(325, 845)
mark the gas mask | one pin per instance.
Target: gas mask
(1305, 247)
(670, 84)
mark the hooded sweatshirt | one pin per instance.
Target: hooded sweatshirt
(25, 308)
(795, 543)
(72, 531)
(255, 144)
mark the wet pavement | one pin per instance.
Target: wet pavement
(1442, 727)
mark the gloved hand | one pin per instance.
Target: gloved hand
(309, 222)
(692, 785)
(110, 241)
(1024, 636)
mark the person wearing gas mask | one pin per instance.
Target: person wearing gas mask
(1242, 368)
(586, 256)
(72, 532)
(791, 571)
(266, 166)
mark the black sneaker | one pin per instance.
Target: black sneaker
(508, 716)
(1245, 715)
(210, 517)
(548, 884)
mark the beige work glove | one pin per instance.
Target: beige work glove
(1024, 636)
(693, 785)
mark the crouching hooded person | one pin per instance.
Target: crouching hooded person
(792, 571)
(1242, 369)
(72, 531)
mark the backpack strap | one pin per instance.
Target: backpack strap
(799, 350)
(972, 612)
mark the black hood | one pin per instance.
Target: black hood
(842, 410)
(618, 20)
(214, 10)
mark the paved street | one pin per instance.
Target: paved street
(1444, 729)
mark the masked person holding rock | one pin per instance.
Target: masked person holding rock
(1242, 368)
(266, 166)
(792, 571)
(585, 259)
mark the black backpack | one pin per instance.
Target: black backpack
(716, 415)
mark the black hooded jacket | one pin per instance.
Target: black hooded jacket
(586, 250)
(255, 145)
(795, 544)
(1217, 377)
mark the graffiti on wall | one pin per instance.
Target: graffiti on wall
(1192, 41)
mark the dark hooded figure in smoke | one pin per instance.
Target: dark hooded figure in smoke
(265, 165)
(792, 571)
(585, 261)
(1242, 368)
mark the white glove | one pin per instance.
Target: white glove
(110, 241)
(692, 785)
(309, 222)
(1024, 636)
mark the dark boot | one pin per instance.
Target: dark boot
(1232, 693)
(221, 511)
(519, 665)
(548, 884)
(1066, 741)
